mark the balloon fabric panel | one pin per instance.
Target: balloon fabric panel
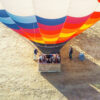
(50, 31)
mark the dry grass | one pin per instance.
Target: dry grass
(20, 79)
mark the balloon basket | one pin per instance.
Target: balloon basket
(50, 63)
(49, 67)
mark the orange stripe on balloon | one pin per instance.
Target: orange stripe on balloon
(50, 42)
(64, 30)
(49, 36)
(92, 21)
(61, 40)
(64, 39)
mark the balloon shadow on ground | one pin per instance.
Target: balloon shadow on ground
(74, 79)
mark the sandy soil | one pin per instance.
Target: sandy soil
(20, 79)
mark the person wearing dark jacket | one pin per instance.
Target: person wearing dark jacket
(35, 53)
(70, 53)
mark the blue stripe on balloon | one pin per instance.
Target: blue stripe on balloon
(7, 20)
(27, 26)
(51, 21)
(3, 13)
(12, 26)
(23, 19)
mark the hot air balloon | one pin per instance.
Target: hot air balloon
(49, 24)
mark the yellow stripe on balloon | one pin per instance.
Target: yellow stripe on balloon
(50, 39)
(42, 42)
(38, 41)
(85, 26)
(66, 34)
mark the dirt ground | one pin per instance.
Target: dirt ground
(20, 79)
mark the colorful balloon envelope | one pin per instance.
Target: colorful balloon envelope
(49, 24)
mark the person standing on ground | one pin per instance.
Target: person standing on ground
(35, 53)
(70, 53)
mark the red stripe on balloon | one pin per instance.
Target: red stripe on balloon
(21, 33)
(32, 34)
(31, 30)
(76, 20)
(95, 15)
(99, 1)
(73, 26)
(50, 28)
(49, 32)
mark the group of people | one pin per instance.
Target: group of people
(52, 58)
